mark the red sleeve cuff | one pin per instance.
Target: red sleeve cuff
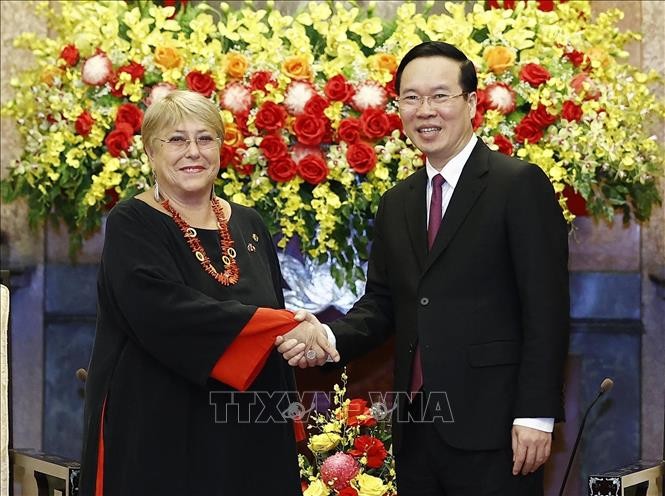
(243, 360)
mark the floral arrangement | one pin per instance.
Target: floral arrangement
(313, 136)
(350, 450)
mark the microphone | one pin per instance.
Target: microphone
(605, 386)
(82, 375)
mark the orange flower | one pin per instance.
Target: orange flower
(297, 67)
(232, 135)
(384, 61)
(499, 59)
(49, 75)
(358, 413)
(167, 57)
(236, 65)
(600, 55)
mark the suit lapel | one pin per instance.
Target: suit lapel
(415, 206)
(471, 184)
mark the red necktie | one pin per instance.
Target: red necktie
(435, 215)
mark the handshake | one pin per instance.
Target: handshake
(307, 344)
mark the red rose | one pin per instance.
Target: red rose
(273, 147)
(282, 170)
(576, 58)
(229, 156)
(575, 201)
(313, 169)
(84, 123)
(395, 122)
(507, 4)
(504, 144)
(571, 111)
(347, 491)
(111, 196)
(270, 116)
(481, 99)
(241, 122)
(359, 414)
(361, 157)
(134, 69)
(172, 3)
(534, 74)
(338, 89)
(349, 130)
(260, 79)
(390, 86)
(131, 115)
(70, 54)
(528, 131)
(120, 139)
(200, 82)
(316, 105)
(541, 117)
(309, 129)
(114, 88)
(244, 169)
(546, 5)
(374, 123)
(478, 118)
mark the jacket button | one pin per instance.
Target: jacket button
(424, 301)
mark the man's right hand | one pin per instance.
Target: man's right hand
(306, 336)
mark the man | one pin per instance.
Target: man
(469, 269)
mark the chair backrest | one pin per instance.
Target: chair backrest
(4, 391)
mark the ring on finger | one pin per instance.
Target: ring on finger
(310, 355)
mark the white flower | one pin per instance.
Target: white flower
(500, 97)
(97, 70)
(158, 92)
(369, 95)
(298, 94)
(236, 98)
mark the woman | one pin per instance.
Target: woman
(188, 298)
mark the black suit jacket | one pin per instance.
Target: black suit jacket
(489, 304)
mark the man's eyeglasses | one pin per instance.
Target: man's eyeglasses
(437, 100)
(180, 143)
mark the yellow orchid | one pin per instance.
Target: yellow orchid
(258, 57)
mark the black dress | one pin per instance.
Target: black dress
(162, 324)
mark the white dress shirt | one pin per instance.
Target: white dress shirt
(451, 172)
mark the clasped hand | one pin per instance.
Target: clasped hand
(306, 345)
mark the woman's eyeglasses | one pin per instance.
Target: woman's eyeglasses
(180, 143)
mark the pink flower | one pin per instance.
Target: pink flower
(369, 95)
(158, 91)
(298, 93)
(236, 98)
(500, 97)
(97, 70)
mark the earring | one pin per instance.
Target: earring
(155, 192)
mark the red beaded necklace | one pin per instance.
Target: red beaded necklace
(231, 273)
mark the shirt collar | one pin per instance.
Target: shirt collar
(452, 171)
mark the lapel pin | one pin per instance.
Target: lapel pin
(255, 237)
(251, 248)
